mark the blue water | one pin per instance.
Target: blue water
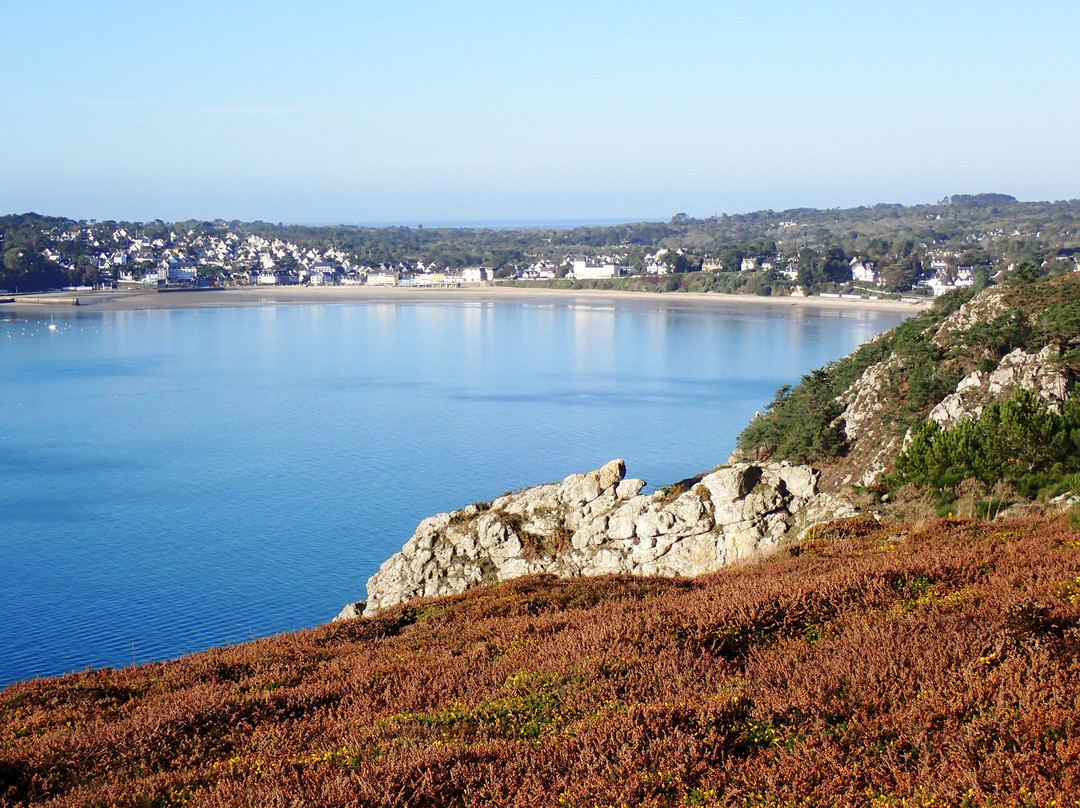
(174, 480)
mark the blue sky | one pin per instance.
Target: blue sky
(434, 111)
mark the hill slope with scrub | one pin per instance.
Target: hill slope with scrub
(874, 662)
(872, 665)
(971, 395)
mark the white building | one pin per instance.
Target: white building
(863, 272)
(322, 275)
(273, 277)
(540, 271)
(965, 277)
(477, 275)
(582, 270)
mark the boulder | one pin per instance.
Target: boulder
(597, 524)
(351, 610)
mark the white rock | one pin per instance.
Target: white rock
(610, 474)
(351, 610)
(736, 513)
(629, 488)
(800, 481)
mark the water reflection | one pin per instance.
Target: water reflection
(191, 476)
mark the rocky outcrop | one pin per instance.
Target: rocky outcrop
(983, 308)
(1040, 373)
(862, 421)
(600, 523)
(870, 403)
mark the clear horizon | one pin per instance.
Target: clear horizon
(436, 112)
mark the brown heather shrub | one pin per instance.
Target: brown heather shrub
(880, 666)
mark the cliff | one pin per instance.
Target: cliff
(599, 523)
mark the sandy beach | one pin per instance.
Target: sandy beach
(311, 295)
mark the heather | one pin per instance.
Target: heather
(871, 665)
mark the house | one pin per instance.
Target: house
(479, 274)
(748, 264)
(864, 272)
(583, 270)
(177, 269)
(937, 285)
(939, 265)
(712, 265)
(381, 279)
(322, 275)
(540, 271)
(275, 277)
(965, 277)
(131, 277)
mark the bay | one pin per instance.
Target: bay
(173, 480)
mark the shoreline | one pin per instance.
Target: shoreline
(318, 295)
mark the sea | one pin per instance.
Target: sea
(173, 480)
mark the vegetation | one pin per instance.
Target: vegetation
(1017, 439)
(988, 231)
(800, 424)
(922, 362)
(880, 666)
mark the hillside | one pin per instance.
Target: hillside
(946, 377)
(873, 666)
(876, 661)
(815, 249)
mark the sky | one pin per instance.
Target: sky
(411, 111)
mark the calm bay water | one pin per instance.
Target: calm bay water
(174, 480)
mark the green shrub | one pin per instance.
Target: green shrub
(1016, 439)
(1002, 334)
(1060, 323)
(800, 422)
(1074, 519)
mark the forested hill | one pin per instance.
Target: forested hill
(990, 231)
(972, 401)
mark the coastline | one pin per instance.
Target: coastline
(317, 295)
